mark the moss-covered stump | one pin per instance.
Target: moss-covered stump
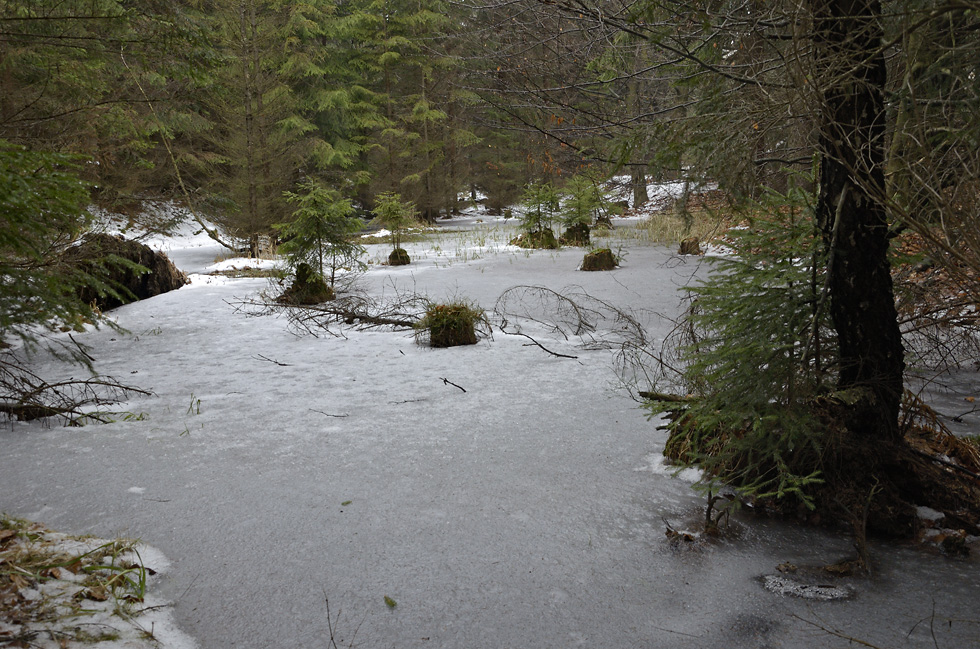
(690, 246)
(538, 239)
(602, 259)
(308, 287)
(576, 235)
(399, 257)
(450, 325)
(131, 270)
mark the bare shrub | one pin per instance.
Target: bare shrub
(570, 312)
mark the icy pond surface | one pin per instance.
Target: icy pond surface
(277, 471)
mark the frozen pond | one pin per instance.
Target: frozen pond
(276, 471)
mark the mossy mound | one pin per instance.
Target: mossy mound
(131, 270)
(308, 287)
(538, 239)
(576, 235)
(399, 257)
(602, 259)
(450, 325)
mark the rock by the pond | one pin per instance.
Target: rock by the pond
(119, 263)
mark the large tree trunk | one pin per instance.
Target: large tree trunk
(851, 214)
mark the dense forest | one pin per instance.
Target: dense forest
(836, 126)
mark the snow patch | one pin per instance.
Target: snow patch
(242, 263)
(657, 463)
(791, 588)
(928, 514)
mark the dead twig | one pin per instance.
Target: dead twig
(518, 333)
(263, 358)
(448, 382)
(932, 626)
(26, 396)
(332, 629)
(359, 311)
(327, 414)
(664, 397)
(81, 350)
(570, 312)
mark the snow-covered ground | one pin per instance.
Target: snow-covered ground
(278, 471)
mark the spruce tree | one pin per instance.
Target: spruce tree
(320, 230)
(264, 106)
(756, 349)
(396, 215)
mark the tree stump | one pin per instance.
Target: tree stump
(601, 259)
(603, 221)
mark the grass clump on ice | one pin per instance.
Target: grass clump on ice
(451, 325)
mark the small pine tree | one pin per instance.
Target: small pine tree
(541, 201)
(583, 200)
(757, 353)
(320, 231)
(391, 213)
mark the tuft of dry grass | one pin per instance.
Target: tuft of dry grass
(65, 588)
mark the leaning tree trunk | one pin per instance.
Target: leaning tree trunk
(851, 215)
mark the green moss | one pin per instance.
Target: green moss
(399, 257)
(537, 239)
(602, 259)
(451, 325)
(308, 287)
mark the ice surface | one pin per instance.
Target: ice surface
(276, 471)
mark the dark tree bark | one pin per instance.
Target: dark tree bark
(850, 212)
